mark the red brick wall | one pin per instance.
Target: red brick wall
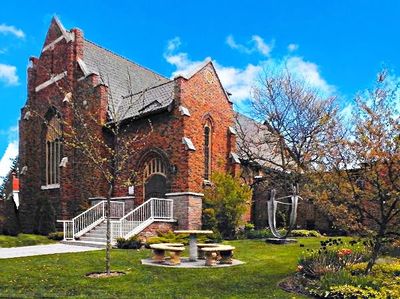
(75, 185)
(157, 227)
(203, 95)
(164, 134)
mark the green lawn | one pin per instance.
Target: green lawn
(63, 275)
(23, 240)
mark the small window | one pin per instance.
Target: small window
(207, 151)
(53, 151)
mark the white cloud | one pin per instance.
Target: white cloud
(173, 44)
(240, 81)
(8, 74)
(309, 72)
(292, 47)
(7, 29)
(261, 46)
(6, 160)
(256, 44)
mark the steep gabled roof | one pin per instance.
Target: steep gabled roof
(123, 78)
(146, 101)
(255, 142)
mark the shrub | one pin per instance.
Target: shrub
(209, 219)
(47, 218)
(11, 218)
(131, 243)
(225, 202)
(57, 236)
(343, 284)
(168, 237)
(248, 226)
(305, 233)
(388, 268)
(258, 234)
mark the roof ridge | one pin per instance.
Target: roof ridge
(120, 56)
(147, 89)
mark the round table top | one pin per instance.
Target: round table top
(194, 232)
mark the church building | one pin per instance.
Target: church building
(183, 127)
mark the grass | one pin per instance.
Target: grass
(23, 240)
(63, 275)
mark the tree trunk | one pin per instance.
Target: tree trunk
(108, 230)
(375, 253)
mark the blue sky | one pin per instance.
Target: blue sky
(338, 46)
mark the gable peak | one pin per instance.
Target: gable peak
(55, 32)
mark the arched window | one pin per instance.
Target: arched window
(53, 151)
(207, 151)
(153, 166)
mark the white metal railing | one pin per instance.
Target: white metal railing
(142, 216)
(90, 218)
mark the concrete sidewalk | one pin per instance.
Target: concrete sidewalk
(13, 252)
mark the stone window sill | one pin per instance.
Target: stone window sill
(52, 186)
(207, 183)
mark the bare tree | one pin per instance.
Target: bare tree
(297, 118)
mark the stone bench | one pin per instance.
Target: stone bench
(200, 253)
(222, 252)
(174, 249)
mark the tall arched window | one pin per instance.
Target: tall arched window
(207, 151)
(53, 151)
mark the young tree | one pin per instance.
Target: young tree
(99, 138)
(360, 183)
(225, 203)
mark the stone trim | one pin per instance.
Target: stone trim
(85, 69)
(53, 79)
(184, 111)
(235, 158)
(184, 194)
(52, 186)
(51, 45)
(232, 131)
(188, 143)
(122, 197)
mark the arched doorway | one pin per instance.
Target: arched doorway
(154, 178)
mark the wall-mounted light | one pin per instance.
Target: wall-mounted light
(174, 169)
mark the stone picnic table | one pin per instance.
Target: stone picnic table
(193, 240)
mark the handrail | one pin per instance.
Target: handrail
(88, 210)
(143, 215)
(127, 225)
(87, 220)
(90, 218)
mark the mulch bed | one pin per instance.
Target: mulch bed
(104, 274)
(295, 284)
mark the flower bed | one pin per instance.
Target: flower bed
(336, 270)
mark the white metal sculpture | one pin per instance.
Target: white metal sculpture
(272, 205)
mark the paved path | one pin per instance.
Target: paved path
(7, 253)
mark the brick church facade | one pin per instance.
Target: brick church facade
(191, 133)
